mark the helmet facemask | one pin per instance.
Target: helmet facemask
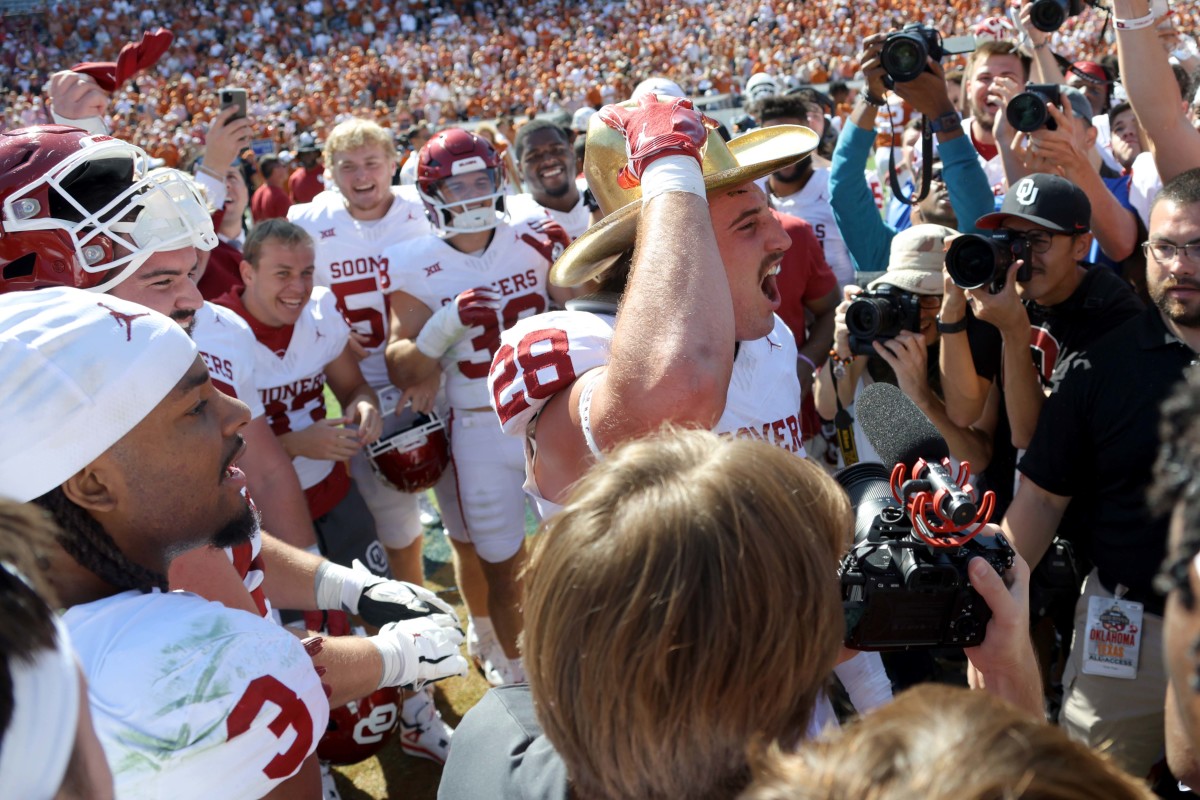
(113, 210)
(481, 212)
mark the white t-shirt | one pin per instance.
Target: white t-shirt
(350, 260)
(193, 700)
(515, 264)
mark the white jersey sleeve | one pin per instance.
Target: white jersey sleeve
(539, 357)
(193, 700)
(227, 344)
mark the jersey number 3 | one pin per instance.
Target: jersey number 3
(545, 372)
(292, 714)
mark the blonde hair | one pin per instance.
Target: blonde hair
(354, 133)
(940, 742)
(683, 604)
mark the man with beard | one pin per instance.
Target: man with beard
(1093, 450)
(115, 428)
(991, 60)
(801, 189)
(548, 168)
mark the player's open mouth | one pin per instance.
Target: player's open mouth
(552, 172)
(291, 304)
(770, 288)
(232, 474)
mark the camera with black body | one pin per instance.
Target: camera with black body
(1049, 15)
(906, 51)
(1026, 112)
(975, 261)
(898, 590)
(880, 314)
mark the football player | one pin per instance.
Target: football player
(478, 276)
(547, 164)
(351, 225)
(691, 249)
(116, 430)
(82, 210)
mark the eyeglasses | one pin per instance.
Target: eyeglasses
(1040, 242)
(930, 300)
(1164, 251)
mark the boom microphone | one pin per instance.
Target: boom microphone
(902, 434)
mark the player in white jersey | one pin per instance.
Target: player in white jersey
(302, 342)
(351, 229)
(697, 341)
(478, 277)
(548, 169)
(802, 190)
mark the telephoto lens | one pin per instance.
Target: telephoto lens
(975, 261)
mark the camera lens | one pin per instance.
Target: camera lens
(972, 261)
(863, 318)
(903, 57)
(1027, 112)
(1048, 15)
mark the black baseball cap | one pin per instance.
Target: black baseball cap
(1049, 201)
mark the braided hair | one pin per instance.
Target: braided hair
(93, 549)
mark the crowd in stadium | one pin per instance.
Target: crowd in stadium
(860, 425)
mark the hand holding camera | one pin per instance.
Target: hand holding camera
(1054, 148)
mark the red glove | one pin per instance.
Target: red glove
(654, 130)
(552, 241)
(477, 306)
(133, 59)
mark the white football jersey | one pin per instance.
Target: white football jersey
(574, 222)
(291, 383)
(542, 356)
(194, 700)
(350, 260)
(515, 264)
(227, 346)
(811, 204)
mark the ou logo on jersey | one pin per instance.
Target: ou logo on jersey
(1046, 350)
(379, 723)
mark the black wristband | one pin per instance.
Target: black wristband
(951, 327)
(946, 122)
(872, 100)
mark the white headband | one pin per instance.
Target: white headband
(80, 371)
(40, 738)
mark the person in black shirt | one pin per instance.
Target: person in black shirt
(1066, 304)
(1093, 449)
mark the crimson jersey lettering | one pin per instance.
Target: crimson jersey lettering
(510, 265)
(350, 260)
(292, 714)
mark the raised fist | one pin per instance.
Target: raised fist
(656, 129)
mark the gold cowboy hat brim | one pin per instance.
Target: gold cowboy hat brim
(757, 153)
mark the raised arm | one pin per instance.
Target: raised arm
(1154, 93)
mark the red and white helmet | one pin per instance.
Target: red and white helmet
(85, 211)
(361, 728)
(451, 153)
(414, 457)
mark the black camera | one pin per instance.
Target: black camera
(1049, 15)
(900, 591)
(879, 315)
(906, 51)
(1027, 112)
(975, 261)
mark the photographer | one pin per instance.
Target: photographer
(1060, 308)
(962, 179)
(915, 269)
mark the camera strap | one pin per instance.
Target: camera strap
(919, 193)
(843, 421)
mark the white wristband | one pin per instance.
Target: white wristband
(1158, 9)
(673, 174)
(339, 588)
